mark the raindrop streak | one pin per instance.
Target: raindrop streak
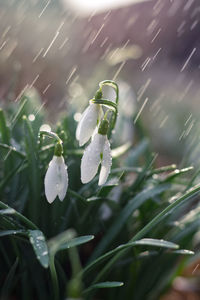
(182, 96)
(46, 88)
(71, 74)
(188, 5)
(154, 57)
(3, 44)
(155, 36)
(39, 109)
(62, 45)
(195, 269)
(104, 41)
(164, 121)
(6, 31)
(141, 109)
(119, 70)
(187, 61)
(37, 55)
(143, 89)
(188, 119)
(34, 81)
(51, 44)
(145, 63)
(44, 9)
(97, 34)
(21, 93)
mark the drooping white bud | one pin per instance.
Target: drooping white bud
(98, 151)
(88, 123)
(106, 163)
(56, 179)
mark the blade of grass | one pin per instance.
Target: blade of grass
(34, 171)
(126, 212)
(7, 286)
(164, 213)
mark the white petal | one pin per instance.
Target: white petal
(88, 123)
(106, 163)
(50, 180)
(101, 114)
(56, 179)
(91, 158)
(62, 183)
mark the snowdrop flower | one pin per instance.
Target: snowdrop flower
(56, 178)
(97, 152)
(89, 120)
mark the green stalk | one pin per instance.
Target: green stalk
(114, 85)
(51, 135)
(54, 277)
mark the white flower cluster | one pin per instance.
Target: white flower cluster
(98, 150)
(94, 125)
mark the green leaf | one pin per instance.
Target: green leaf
(137, 151)
(76, 242)
(34, 174)
(157, 243)
(147, 242)
(10, 232)
(120, 150)
(177, 173)
(126, 212)
(157, 219)
(4, 130)
(15, 213)
(55, 244)
(184, 252)
(6, 288)
(38, 242)
(7, 211)
(104, 285)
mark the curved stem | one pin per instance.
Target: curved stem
(109, 104)
(114, 85)
(105, 102)
(51, 135)
(54, 277)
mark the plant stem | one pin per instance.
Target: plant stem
(54, 277)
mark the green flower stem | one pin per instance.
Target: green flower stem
(58, 150)
(54, 277)
(98, 100)
(51, 135)
(105, 102)
(195, 190)
(114, 85)
(30, 224)
(77, 195)
(109, 104)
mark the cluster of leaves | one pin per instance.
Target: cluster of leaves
(127, 239)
